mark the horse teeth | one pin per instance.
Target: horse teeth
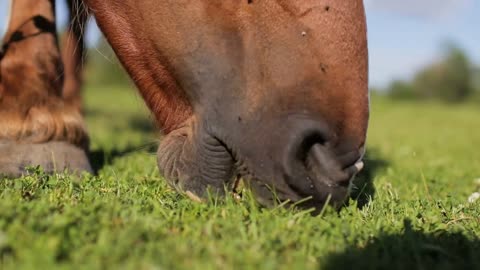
(359, 165)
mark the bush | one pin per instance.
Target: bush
(449, 80)
(401, 90)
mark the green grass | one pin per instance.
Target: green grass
(421, 166)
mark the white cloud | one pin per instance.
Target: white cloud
(423, 9)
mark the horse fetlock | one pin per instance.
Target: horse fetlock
(42, 124)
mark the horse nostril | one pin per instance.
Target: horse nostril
(308, 136)
(332, 167)
(323, 165)
(309, 143)
(316, 163)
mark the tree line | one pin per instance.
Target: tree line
(453, 79)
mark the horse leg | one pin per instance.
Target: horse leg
(73, 53)
(37, 127)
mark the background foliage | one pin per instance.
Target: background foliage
(452, 79)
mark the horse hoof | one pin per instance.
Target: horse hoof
(53, 157)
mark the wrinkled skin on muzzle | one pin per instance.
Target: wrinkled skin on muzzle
(272, 91)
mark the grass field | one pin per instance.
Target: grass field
(412, 210)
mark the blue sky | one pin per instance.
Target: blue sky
(404, 35)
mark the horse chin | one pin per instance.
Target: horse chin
(195, 162)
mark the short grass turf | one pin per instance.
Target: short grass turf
(411, 212)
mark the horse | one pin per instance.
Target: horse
(274, 92)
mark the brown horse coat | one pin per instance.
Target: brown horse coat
(272, 91)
